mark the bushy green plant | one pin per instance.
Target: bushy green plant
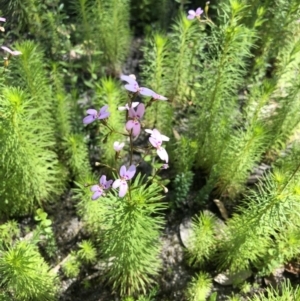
(202, 242)
(132, 254)
(185, 50)
(71, 267)
(285, 293)
(29, 166)
(182, 184)
(199, 287)
(87, 252)
(216, 98)
(9, 231)
(25, 275)
(264, 233)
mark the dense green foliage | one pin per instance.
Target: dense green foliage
(231, 78)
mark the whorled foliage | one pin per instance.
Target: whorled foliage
(29, 172)
(24, 274)
(128, 234)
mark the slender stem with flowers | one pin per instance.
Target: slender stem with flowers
(134, 113)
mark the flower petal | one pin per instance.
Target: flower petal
(140, 110)
(192, 12)
(149, 131)
(134, 104)
(104, 115)
(123, 189)
(2, 19)
(129, 125)
(97, 194)
(146, 92)
(156, 135)
(88, 119)
(91, 112)
(131, 113)
(118, 146)
(130, 172)
(123, 171)
(154, 142)
(116, 183)
(95, 188)
(12, 52)
(108, 184)
(128, 79)
(103, 109)
(136, 129)
(132, 87)
(102, 180)
(191, 17)
(199, 11)
(164, 138)
(162, 153)
(159, 97)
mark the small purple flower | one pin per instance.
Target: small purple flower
(99, 189)
(133, 105)
(11, 52)
(133, 86)
(125, 175)
(134, 123)
(118, 146)
(156, 140)
(165, 166)
(2, 19)
(195, 14)
(93, 115)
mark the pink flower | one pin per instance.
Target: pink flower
(118, 146)
(133, 86)
(125, 175)
(93, 115)
(195, 14)
(11, 52)
(156, 140)
(99, 189)
(133, 105)
(134, 123)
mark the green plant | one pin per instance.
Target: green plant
(87, 252)
(29, 166)
(199, 287)
(132, 254)
(9, 231)
(182, 184)
(286, 293)
(202, 242)
(44, 232)
(71, 267)
(24, 274)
